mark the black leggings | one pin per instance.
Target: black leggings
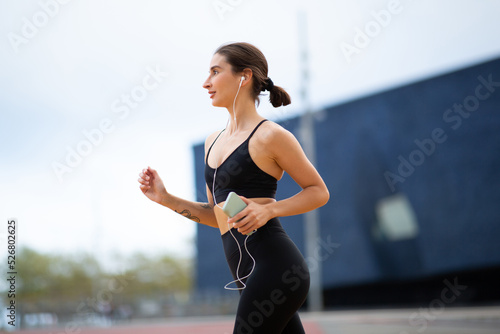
(278, 285)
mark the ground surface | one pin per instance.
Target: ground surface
(402, 321)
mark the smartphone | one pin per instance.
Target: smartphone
(233, 205)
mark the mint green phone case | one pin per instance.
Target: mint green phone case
(233, 204)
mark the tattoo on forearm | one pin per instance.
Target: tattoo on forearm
(206, 206)
(186, 213)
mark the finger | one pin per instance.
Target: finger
(236, 218)
(246, 200)
(239, 216)
(142, 181)
(243, 227)
(246, 229)
(236, 224)
(241, 222)
(151, 170)
(145, 175)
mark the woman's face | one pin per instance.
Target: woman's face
(222, 84)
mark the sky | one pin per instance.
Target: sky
(92, 92)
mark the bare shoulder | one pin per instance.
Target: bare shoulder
(272, 133)
(276, 142)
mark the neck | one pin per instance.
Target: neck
(246, 115)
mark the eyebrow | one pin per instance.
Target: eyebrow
(215, 66)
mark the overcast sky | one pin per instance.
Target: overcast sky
(93, 91)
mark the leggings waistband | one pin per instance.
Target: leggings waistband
(272, 228)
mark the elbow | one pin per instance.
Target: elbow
(318, 195)
(324, 196)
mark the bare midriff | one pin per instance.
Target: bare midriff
(222, 217)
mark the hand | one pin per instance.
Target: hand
(252, 217)
(152, 185)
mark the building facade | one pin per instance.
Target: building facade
(414, 177)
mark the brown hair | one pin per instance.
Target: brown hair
(244, 55)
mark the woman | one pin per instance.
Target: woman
(248, 157)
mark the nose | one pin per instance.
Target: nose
(207, 84)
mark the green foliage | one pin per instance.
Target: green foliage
(49, 282)
(54, 276)
(163, 275)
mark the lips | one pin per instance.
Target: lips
(211, 94)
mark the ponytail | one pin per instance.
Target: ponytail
(279, 97)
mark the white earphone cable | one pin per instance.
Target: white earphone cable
(234, 103)
(238, 278)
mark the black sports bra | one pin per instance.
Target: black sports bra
(240, 174)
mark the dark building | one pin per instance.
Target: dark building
(414, 177)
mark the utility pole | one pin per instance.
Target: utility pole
(306, 135)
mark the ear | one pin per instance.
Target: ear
(248, 74)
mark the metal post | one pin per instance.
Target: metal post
(306, 136)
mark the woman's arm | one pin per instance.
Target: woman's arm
(288, 154)
(152, 186)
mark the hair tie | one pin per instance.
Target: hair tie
(268, 85)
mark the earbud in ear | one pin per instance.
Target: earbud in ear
(243, 78)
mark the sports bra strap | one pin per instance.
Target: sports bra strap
(256, 128)
(251, 134)
(210, 148)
